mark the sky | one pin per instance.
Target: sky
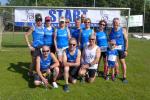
(3, 2)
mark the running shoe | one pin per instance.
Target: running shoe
(82, 80)
(66, 88)
(107, 78)
(124, 80)
(55, 85)
(113, 78)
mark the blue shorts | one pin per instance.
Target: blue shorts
(111, 64)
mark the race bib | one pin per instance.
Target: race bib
(118, 47)
(112, 58)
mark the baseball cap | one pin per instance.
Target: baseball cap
(47, 18)
(62, 19)
(38, 17)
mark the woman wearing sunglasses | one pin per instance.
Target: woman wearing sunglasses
(49, 34)
(61, 40)
(37, 32)
(85, 33)
(46, 63)
(89, 60)
(102, 42)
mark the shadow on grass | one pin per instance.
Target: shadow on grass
(14, 46)
(22, 68)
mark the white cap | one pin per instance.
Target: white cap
(62, 19)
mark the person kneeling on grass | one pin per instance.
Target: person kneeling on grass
(90, 59)
(112, 59)
(71, 61)
(46, 63)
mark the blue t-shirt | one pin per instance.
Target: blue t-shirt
(118, 37)
(112, 56)
(102, 41)
(45, 63)
(62, 38)
(85, 36)
(75, 33)
(48, 36)
(82, 25)
(38, 36)
(71, 58)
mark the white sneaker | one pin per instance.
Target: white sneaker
(55, 85)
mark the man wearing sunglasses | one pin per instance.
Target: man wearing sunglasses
(119, 34)
(46, 63)
(37, 32)
(83, 17)
(90, 58)
(75, 31)
(71, 61)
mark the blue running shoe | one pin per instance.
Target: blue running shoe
(66, 88)
(124, 80)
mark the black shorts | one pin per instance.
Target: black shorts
(92, 72)
(121, 54)
(103, 54)
(52, 48)
(73, 71)
(36, 53)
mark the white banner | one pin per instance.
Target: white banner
(135, 20)
(23, 15)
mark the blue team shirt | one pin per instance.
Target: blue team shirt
(48, 36)
(45, 63)
(101, 39)
(111, 54)
(85, 36)
(118, 37)
(62, 38)
(82, 25)
(71, 58)
(75, 33)
(38, 36)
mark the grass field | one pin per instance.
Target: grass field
(15, 84)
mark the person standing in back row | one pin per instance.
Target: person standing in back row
(37, 31)
(102, 42)
(49, 34)
(119, 34)
(85, 33)
(61, 40)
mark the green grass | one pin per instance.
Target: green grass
(15, 84)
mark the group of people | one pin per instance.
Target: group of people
(79, 50)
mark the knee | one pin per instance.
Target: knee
(74, 81)
(91, 80)
(56, 69)
(66, 69)
(37, 83)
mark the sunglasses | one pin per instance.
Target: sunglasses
(87, 22)
(102, 24)
(45, 51)
(47, 20)
(92, 39)
(37, 20)
(72, 44)
(66, 22)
